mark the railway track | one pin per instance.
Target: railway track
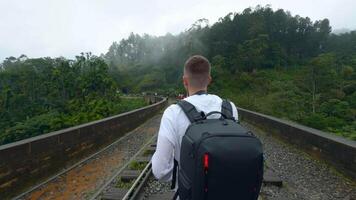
(132, 178)
(82, 179)
(129, 181)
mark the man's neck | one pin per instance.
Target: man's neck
(192, 91)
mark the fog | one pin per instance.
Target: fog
(41, 28)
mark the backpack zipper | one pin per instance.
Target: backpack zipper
(208, 135)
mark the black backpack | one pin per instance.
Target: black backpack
(219, 159)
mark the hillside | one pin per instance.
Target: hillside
(263, 59)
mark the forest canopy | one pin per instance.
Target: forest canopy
(44, 94)
(262, 59)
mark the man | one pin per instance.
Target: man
(174, 122)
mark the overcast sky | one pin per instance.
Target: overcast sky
(41, 28)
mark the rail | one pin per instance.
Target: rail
(109, 191)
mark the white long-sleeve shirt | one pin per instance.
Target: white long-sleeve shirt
(174, 123)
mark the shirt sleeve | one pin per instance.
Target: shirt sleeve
(234, 111)
(162, 159)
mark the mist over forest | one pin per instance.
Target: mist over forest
(262, 59)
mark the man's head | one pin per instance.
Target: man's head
(196, 73)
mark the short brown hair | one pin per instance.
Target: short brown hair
(198, 70)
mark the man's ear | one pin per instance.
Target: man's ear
(185, 82)
(210, 80)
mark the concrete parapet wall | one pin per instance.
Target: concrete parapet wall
(336, 151)
(27, 162)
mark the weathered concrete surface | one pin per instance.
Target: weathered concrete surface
(337, 151)
(30, 161)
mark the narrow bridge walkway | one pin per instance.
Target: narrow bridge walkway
(303, 178)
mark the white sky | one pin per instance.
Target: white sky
(40, 28)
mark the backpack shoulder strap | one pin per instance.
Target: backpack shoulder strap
(226, 109)
(174, 175)
(190, 111)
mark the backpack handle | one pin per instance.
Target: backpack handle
(215, 112)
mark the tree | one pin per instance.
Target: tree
(251, 55)
(317, 77)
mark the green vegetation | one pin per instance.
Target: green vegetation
(135, 165)
(148, 152)
(284, 94)
(42, 95)
(264, 60)
(123, 184)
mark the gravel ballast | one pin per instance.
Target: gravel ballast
(303, 177)
(83, 180)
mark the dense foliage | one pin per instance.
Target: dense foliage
(42, 95)
(264, 60)
(268, 61)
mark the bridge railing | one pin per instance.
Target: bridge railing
(336, 151)
(27, 162)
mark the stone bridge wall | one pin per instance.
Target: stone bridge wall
(30, 161)
(337, 151)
